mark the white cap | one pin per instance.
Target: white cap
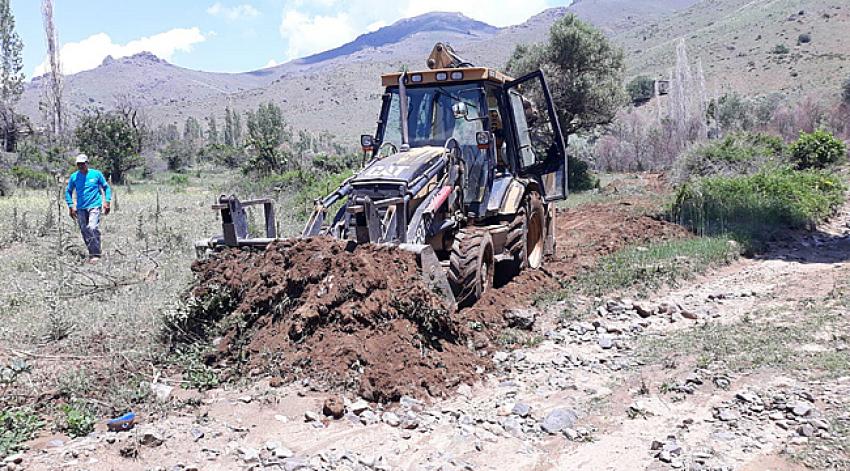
(82, 158)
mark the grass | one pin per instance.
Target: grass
(648, 267)
(756, 205)
(102, 321)
(759, 344)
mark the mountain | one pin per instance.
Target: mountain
(440, 22)
(145, 79)
(337, 90)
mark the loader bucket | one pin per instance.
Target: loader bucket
(432, 272)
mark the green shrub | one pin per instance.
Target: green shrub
(16, 427)
(178, 155)
(179, 180)
(579, 176)
(817, 150)
(30, 178)
(736, 154)
(641, 89)
(752, 206)
(78, 420)
(780, 49)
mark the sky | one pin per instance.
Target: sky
(228, 35)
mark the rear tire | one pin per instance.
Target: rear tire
(471, 265)
(535, 234)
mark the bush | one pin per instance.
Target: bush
(817, 150)
(77, 420)
(736, 154)
(579, 176)
(780, 49)
(804, 38)
(754, 205)
(641, 89)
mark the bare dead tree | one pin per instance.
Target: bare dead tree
(52, 102)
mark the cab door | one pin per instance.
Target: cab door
(539, 144)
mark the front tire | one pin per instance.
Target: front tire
(535, 234)
(471, 265)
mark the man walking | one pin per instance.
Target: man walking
(87, 183)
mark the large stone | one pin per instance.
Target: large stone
(359, 406)
(802, 409)
(521, 318)
(162, 392)
(521, 409)
(151, 438)
(249, 455)
(311, 416)
(333, 407)
(606, 341)
(391, 419)
(559, 419)
(295, 464)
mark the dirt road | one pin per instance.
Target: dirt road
(744, 368)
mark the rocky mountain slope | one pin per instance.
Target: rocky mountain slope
(742, 43)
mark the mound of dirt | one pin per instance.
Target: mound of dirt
(346, 317)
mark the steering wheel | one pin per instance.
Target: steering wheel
(387, 144)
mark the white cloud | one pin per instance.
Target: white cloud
(90, 52)
(310, 34)
(376, 25)
(237, 12)
(271, 63)
(495, 12)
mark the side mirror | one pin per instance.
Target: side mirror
(483, 139)
(367, 142)
(460, 110)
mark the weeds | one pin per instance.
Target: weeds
(77, 420)
(16, 427)
(658, 264)
(753, 206)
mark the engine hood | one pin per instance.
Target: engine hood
(402, 167)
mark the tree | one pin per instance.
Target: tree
(845, 91)
(113, 140)
(191, 130)
(584, 71)
(52, 102)
(267, 131)
(212, 130)
(232, 128)
(11, 78)
(641, 89)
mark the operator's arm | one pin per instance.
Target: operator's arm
(69, 191)
(107, 191)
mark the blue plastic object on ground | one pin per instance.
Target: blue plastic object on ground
(125, 422)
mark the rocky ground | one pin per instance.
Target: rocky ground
(744, 368)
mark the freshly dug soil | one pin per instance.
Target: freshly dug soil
(346, 317)
(361, 319)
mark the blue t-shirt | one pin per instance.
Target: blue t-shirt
(87, 186)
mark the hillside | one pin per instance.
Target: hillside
(738, 47)
(339, 90)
